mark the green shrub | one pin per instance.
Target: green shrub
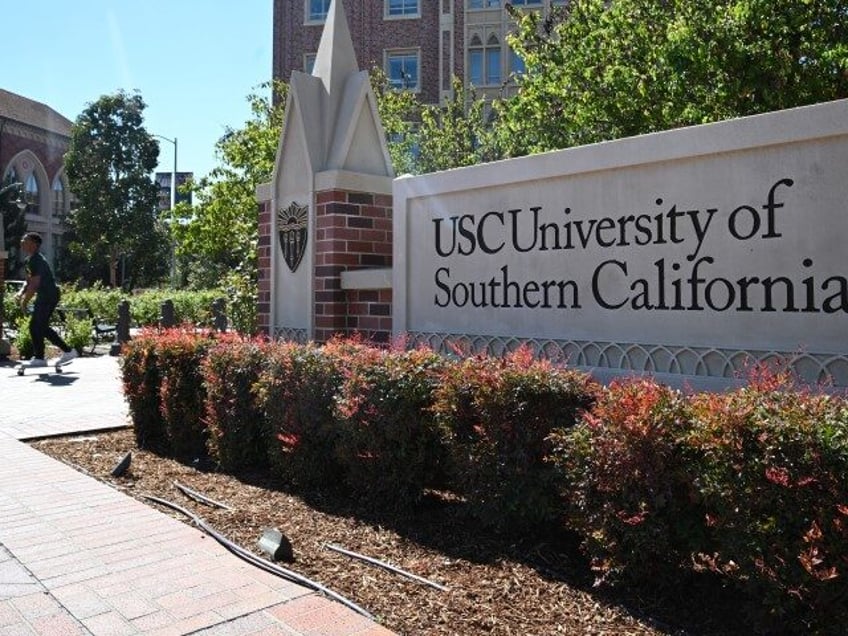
(77, 332)
(12, 313)
(238, 434)
(102, 301)
(297, 392)
(192, 307)
(389, 445)
(242, 299)
(23, 340)
(497, 415)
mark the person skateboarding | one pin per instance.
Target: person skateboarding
(41, 283)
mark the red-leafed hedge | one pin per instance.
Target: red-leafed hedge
(750, 485)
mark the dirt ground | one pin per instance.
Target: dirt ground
(494, 585)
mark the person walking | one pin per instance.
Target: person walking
(41, 283)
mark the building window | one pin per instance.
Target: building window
(58, 197)
(309, 63)
(317, 10)
(11, 177)
(485, 4)
(31, 195)
(526, 3)
(402, 70)
(484, 62)
(516, 64)
(475, 61)
(403, 8)
(493, 60)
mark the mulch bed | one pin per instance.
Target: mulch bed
(495, 585)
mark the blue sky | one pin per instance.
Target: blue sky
(193, 61)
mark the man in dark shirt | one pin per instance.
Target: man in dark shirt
(41, 284)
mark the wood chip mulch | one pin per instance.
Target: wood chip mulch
(495, 585)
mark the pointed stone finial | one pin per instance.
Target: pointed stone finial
(335, 60)
(334, 110)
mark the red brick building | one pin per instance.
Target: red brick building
(33, 141)
(420, 44)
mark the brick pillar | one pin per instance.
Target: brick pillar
(263, 310)
(353, 231)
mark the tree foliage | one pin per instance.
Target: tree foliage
(109, 166)
(221, 230)
(455, 134)
(600, 70)
(428, 137)
(14, 223)
(218, 235)
(400, 112)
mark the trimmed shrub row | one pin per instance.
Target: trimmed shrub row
(384, 424)
(749, 485)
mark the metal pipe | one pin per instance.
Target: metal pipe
(385, 565)
(188, 492)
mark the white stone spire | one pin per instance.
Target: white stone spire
(336, 58)
(333, 112)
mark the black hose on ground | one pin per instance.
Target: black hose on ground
(258, 561)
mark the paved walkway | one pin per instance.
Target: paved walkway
(79, 557)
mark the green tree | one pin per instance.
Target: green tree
(600, 70)
(14, 223)
(400, 113)
(219, 233)
(426, 138)
(109, 166)
(456, 134)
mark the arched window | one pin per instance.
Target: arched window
(493, 60)
(31, 195)
(475, 61)
(58, 197)
(484, 61)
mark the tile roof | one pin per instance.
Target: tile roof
(33, 113)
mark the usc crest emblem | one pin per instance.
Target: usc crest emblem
(292, 229)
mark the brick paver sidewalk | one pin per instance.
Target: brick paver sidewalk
(79, 557)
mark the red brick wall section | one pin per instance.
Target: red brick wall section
(370, 313)
(264, 263)
(50, 154)
(372, 35)
(353, 231)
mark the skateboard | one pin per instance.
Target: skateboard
(22, 368)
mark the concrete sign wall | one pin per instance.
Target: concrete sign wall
(684, 252)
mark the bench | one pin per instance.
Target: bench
(100, 331)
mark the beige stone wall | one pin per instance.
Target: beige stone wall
(685, 253)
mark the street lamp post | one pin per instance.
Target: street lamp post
(173, 171)
(173, 202)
